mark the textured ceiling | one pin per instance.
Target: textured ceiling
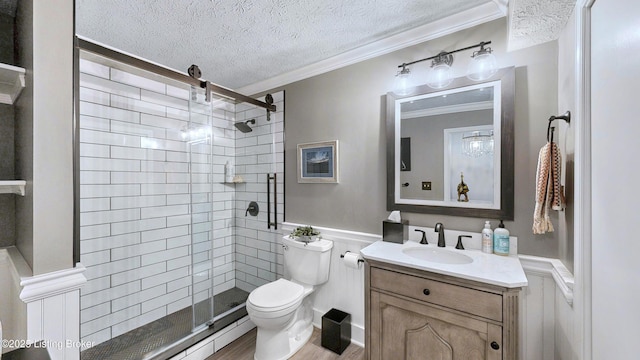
(534, 22)
(241, 42)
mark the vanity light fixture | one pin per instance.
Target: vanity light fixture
(402, 85)
(483, 65)
(440, 74)
(477, 144)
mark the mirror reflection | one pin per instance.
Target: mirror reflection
(452, 137)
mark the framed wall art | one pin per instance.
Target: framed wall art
(318, 162)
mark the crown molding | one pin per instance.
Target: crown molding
(481, 14)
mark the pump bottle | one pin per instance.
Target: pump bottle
(501, 240)
(487, 238)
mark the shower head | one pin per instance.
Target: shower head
(243, 125)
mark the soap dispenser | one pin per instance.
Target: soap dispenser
(487, 238)
(501, 240)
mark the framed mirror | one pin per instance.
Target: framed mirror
(450, 150)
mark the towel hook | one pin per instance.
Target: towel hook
(566, 117)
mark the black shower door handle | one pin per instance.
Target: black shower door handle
(275, 201)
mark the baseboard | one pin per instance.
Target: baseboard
(357, 330)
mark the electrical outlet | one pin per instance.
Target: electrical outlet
(426, 185)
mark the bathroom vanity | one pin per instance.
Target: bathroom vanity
(454, 310)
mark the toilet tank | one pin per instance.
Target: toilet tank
(307, 263)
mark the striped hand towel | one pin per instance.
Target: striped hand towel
(549, 192)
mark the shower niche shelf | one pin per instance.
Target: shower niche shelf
(236, 180)
(12, 187)
(11, 83)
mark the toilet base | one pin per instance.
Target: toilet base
(295, 344)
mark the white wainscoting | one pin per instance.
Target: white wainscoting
(546, 313)
(53, 311)
(546, 304)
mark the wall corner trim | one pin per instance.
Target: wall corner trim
(43, 286)
(553, 268)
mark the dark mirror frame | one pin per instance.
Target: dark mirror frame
(505, 212)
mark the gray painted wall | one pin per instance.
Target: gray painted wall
(7, 170)
(7, 156)
(6, 39)
(348, 104)
(566, 137)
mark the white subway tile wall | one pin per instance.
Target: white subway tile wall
(258, 250)
(156, 213)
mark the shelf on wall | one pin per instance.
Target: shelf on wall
(12, 187)
(236, 180)
(11, 83)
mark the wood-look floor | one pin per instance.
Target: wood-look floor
(244, 347)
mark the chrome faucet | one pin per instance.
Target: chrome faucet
(439, 228)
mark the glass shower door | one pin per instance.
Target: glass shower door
(199, 138)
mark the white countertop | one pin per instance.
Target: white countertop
(487, 268)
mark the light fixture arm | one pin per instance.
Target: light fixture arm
(445, 53)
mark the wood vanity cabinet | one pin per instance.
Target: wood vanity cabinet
(412, 314)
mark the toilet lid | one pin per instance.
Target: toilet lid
(276, 295)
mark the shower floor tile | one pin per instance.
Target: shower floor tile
(136, 343)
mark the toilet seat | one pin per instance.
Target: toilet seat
(276, 296)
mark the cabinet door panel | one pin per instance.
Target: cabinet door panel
(403, 329)
(426, 342)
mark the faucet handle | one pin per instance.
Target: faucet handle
(424, 237)
(459, 244)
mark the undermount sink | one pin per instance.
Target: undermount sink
(437, 255)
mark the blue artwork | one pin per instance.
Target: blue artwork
(317, 162)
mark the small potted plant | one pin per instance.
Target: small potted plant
(305, 234)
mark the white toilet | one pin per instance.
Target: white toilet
(282, 309)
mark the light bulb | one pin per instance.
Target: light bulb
(402, 85)
(439, 76)
(483, 65)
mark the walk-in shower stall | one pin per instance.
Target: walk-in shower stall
(178, 204)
